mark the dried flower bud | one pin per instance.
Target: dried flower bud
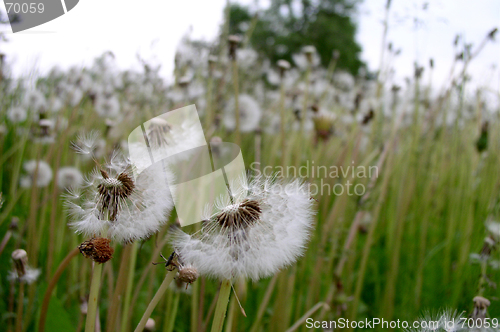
(84, 306)
(97, 249)
(150, 325)
(212, 61)
(184, 81)
(368, 117)
(418, 71)
(14, 223)
(309, 52)
(283, 66)
(492, 33)
(188, 274)
(20, 258)
(234, 41)
(45, 127)
(336, 55)
(216, 145)
(481, 305)
(431, 62)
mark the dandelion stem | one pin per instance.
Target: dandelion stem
(306, 96)
(120, 284)
(306, 315)
(282, 122)
(20, 305)
(128, 290)
(220, 309)
(172, 312)
(236, 101)
(52, 284)
(168, 279)
(94, 294)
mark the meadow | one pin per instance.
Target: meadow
(404, 187)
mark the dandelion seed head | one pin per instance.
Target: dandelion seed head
(264, 229)
(107, 106)
(250, 114)
(69, 177)
(29, 277)
(97, 249)
(85, 143)
(43, 174)
(17, 114)
(188, 274)
(128, 209)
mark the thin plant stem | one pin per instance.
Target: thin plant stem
(305, 316)
(128, 289)
(120, 285)
(20, 305)
(164, 285)
(172, 312)
(236, 101)
(306, 97)
(221, 307)
(194, 308)
(94, 295)
(282, 123)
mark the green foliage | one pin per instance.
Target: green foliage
(279, 32)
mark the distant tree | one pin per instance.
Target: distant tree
(288, 25)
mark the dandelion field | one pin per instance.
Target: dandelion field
(415, 228)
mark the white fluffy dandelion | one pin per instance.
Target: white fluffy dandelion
(250, 114)
(17, 114)
(29, 277)
(117, 205)
(264, 229)
(445, 321)
(69, 177)
(38, 172)
(22, 271)
(107, 106)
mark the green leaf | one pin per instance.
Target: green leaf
(57, 317)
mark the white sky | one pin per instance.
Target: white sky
(153, 28)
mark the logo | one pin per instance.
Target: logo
(198, 174)
(26, 14)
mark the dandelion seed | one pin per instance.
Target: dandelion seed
(262, 230)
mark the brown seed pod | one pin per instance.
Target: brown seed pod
(97, 249)
(188, 275)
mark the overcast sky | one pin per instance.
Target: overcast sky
(153, 28)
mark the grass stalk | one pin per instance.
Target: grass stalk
(93, 297)
(149, 310)
(221, 307)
